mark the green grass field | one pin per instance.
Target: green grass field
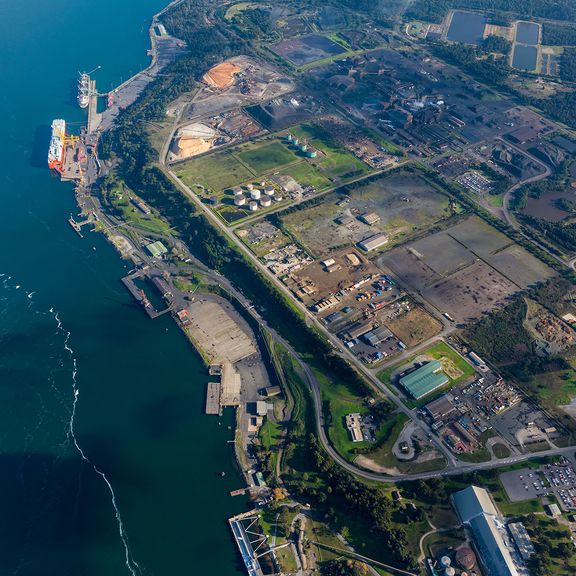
(307, 175)
(217, 171)
(335, 161)
(270, 156)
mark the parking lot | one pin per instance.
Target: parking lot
(524, 484)
(562, 482)
(551, 480)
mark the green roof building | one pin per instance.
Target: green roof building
(156, 249)
(424, 380)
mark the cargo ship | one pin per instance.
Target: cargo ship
(56, 150)
(83, 90)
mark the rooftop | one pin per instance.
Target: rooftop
(424, 380)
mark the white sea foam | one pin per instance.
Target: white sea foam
(131, 563)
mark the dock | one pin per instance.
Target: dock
(213, 398)
(248, 540)
(94, 117)
(140, 296)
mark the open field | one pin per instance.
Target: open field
(216, 171)
(273, 159)
(467, 269)
(404, 202)
(307, 49)
(262, 159)
(414, 327)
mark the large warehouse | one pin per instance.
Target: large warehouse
(424, 380)
(476, 509)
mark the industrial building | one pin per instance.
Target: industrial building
(424, 380)
(440, 408)
(476, 509)
(521, 539)
(354, 425)
(377, 335)
(157, 249)
(373, 242)
(369, 218)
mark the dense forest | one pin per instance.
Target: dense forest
(558, 35)
(436, 10)
(568, 65)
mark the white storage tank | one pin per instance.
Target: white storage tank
(249, 186)
(269, 190)
(253, 206)
(255, 194)
(445, 561)
(266, 201)
(450, 571)
(239, 200)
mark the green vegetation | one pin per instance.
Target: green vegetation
(268, 156)
(558, 34)
(436, 10)
(217, 171)
(555, 554)
(501, 450)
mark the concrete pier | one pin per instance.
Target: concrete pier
(213, 398)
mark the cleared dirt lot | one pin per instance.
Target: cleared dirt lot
(465, 270)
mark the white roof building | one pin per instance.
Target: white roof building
(476, 509)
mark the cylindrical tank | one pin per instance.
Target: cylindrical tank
(239, 200)
(278, 198)
(253, 206)
(445, 561)
(289, 138)
(249, 186)
(312, 154)
(303, 148)
(266, 201)
(269, 191)
(450, 571)
(255, 194)
(295, 141)
(465, 558)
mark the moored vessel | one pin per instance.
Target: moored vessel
(56, 149)
(83, 90)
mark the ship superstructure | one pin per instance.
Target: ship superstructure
(56, 150)
(83, 90)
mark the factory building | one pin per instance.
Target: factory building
(440, 408)
(424, 380)
(476, 509)
(373, 242)
(377, 336)
(369, 218)
(157, 249)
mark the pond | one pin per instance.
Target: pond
(525, 57)
(467, 28)
(527, 33)
(545, 206)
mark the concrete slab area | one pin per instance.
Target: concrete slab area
(216, 331)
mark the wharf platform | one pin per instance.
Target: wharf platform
(140, 296)
(213, 398)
